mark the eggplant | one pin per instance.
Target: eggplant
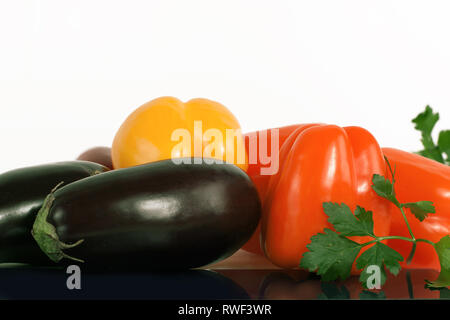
(159, 215)
(22, 193)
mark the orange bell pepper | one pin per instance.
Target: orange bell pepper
(317, 163)
(167, 128)
(419, 178)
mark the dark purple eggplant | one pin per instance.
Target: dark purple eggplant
(22, 193)
(159, 215)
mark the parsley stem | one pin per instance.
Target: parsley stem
(407, 223)
(379, 239)
(395, 237)
(426, 241)
(411, 254)
(413, 240)
(409, 283)
(413, 250)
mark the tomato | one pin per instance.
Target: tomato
(100, 155)
(167, 128)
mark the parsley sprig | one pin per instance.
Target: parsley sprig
(425, 123)
(332, 253)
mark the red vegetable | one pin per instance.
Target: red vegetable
(317, 163)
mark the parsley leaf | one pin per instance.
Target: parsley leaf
(420, 209)
(384, 188)
(425, 122)
(330, 291)
(444, 142)
(347, 224)
(370, 295)
(365, 218)
(330, 255)
(444, 293)
(379, 255)
(442, 248)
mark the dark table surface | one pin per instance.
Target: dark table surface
(240, 277)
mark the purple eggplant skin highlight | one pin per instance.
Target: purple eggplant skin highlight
(159, 215)
(22, 193)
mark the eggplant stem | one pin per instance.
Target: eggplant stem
(46, 236)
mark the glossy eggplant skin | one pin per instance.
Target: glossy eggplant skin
(22, 192)
(159, 215)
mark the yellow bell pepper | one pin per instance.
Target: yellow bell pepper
(167, 128)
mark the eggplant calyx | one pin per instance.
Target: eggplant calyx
(96, 172)
(46, 237)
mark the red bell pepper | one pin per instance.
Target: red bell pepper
(419, 178)
(317, 163)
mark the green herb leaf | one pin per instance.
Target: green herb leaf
(425, 123)
(365, 219)
(442, 248)
(379, 255)
(347, 224)
(444, 142)
(420, 209)
(370, 295)
(434, 154)
(444, 293)
(384, 188)
(330, 291)
(330, 255)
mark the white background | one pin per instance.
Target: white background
(71, 71)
